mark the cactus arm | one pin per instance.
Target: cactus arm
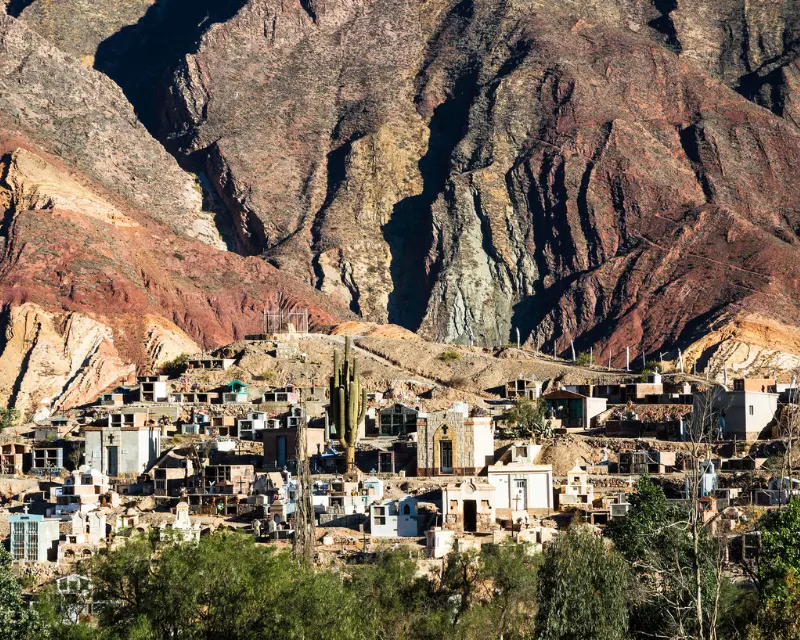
(362, 414)
(341, 430)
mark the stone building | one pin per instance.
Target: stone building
(453, 443)
(468, 506)
(119, 450)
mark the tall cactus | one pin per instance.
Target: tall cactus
(348, 401)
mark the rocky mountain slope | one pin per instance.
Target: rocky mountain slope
(613, 174)
(105, 267)
(582, 171)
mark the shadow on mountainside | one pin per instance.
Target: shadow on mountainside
(137, 57)
(409, 232)
(15, 7)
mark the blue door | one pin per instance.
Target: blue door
(281, 446)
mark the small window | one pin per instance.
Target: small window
(751, 411)
(406, 510)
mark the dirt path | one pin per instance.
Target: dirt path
(416, 379)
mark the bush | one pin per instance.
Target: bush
(266, 376)
(451, 355)
(649, 367)
(8, 417)
(175, 367)
(583, 360)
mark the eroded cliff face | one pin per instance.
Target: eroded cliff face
(581, 171)
(51, 361)
(613, 173)
(103, 270)
(81, 116)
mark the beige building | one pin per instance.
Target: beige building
(468, 506)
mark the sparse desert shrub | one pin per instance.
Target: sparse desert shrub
(175, 367)
(461, 382)
(268, 375)
(451, 355)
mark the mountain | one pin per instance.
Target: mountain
(596, 172)
(605, 174)
(108, 262)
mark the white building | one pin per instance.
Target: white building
(439, 542)
(521, 483)
(182, 528)
(153, 388)
(394, 518)
(249, 428)
(373, 487)
(746, 414)
(578, 490)
(117, 451)
(81, 491)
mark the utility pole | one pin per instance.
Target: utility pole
(591, 356)
(572, 347)
(517, 337)
(627, 358)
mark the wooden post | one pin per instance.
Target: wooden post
(304, 537)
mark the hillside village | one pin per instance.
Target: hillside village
(410, 463)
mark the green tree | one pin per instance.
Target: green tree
(8, 417)
(224, 586)
(511, 571)
(583, 589)
(779, 559)
(393, 598)
(16, 620)
(530, 418)
(648, 515)
(778, 575)
(656, 540)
